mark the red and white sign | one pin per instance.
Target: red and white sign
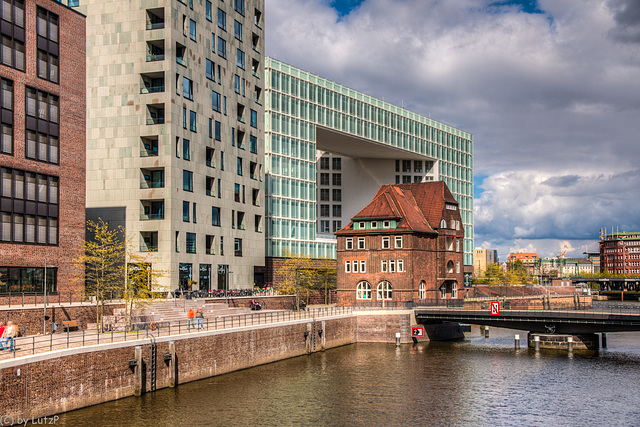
(417, 331)
(495, 308)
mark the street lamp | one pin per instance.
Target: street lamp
(44, 287)
(226, 287)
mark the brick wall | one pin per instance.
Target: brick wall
(71, 169)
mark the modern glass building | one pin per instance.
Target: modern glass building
(329, 148)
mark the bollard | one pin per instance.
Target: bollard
(398, 338)
(172, 365)
(570, 344)
(536, 342)
(604, 340)
(137, 381)
(517, 341)
(486, 332)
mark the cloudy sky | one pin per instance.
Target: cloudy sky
(550, 89)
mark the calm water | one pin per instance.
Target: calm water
(475, 382)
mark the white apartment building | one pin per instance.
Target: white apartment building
(175, 128)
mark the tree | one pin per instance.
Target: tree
(300, 274)
(114, 269)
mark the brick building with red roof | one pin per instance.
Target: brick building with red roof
(405, 245)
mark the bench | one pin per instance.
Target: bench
(68, 324)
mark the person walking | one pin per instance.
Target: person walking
(9, 335)
(190, 316)
(2, 328)
(200, 318)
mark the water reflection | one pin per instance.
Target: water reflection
(474, 382)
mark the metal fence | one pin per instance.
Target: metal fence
(24, 346)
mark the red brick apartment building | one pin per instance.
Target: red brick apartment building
(405, 245)
(42, 146)
(620, 253)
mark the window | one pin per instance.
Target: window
(12, 53)
(385, 242)
(457, 245)
(443, 291)
(215, 101)
(193, 121)
(239, 165)
(194, 212)
(454, 290)
(347, 266)
(417, 166)
(185, 149)
(324, 210)
(237, 30)
(400, 264)
(337, 163)
(385, 292)
(177, 241)
(209, 184)
(215, 216)
(363, 291)
(337, 179)
(383, 266)
(208, 10)
(192, 29)
(361, 244)
(210, 157)
(324, 163)
(363, 266)
(191, 243)
(337, 210)
(443, 224)
(238, 5)
(185, 211)
(337, 195)
(458, 267)
(222, 50)
(222, 20)
(253, 144)
(386, 224)
(187, 180)
(324, 179)
(355, 266)
(236, 83)
(210, 242)
(337, 225)
(406, 166)
(237, 193)
(398, 242)
(240, 58)
(253, 118)
(324, 194)
(211, 70)
(348, 245)
(184, 118)
(42, 126)
(187, 88)
(406, 179)
(392, 266)
(374, 224)
(324, 226)
(422, 291)
(6, 116)
(47, 28)
(237, 247)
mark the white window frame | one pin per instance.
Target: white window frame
(361, 243)
(386, 242)
(386, 224)
(453, 224)
(443, 291)
(454, 290)
(354, 267)
(457, 225)
(347, 266)
(363, 266)
(457, 245)
(374, 224)
(383, 266)
(348, 243)
(398, 242)
(443, 224)
(384, 291)
(400, 264)
(422, 290)
(363, 291)
(457, 266)
(361, 225)
(392, 266)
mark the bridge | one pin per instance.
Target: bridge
(571, 322)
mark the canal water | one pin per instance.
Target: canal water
(475, 382)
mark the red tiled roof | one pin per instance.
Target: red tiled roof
(523, 255)
(417, 207)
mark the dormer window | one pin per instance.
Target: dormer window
(443, 224)
(361, 225)
(386, 224)
(374, 224)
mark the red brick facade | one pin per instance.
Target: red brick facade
(71, 168)
(425, 247)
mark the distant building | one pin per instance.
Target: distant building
(405, 245)
(620, 253)
(482, 258)
(528, 259)
(563, 267)
(42, 147)
(594, 257)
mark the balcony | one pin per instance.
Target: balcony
(149, 241)
(181, 55)
(149, 146)
(155, 114)
(152, 178)
(152, 82)
(155, 50)
(155, 19)
(152, 210)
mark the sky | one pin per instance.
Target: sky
(549, 89)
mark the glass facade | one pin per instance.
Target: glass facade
(296, 104)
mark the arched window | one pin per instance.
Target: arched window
(422, 290)
(385, 292)
(363, 291)
(443, 291)
(443, 224)
(450, 267)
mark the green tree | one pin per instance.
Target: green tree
(300, 274)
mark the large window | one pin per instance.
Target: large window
(48, 49)
(12, 53)
(191, 243)
(187, 180)
(215, 216)
(222, 19)
(363, 291)
(211, 70)
(385, 292)
(238, 5)
(215, 101)
(187, 88)
(237, 29)
(240, 58)
(29, 208)
(222, 48)
(42, 126)
(30, 279)
(6, 116)
(422, 290)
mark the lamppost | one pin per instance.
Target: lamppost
(226, 286)
(44, 287)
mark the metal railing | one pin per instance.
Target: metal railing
(29, 345)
